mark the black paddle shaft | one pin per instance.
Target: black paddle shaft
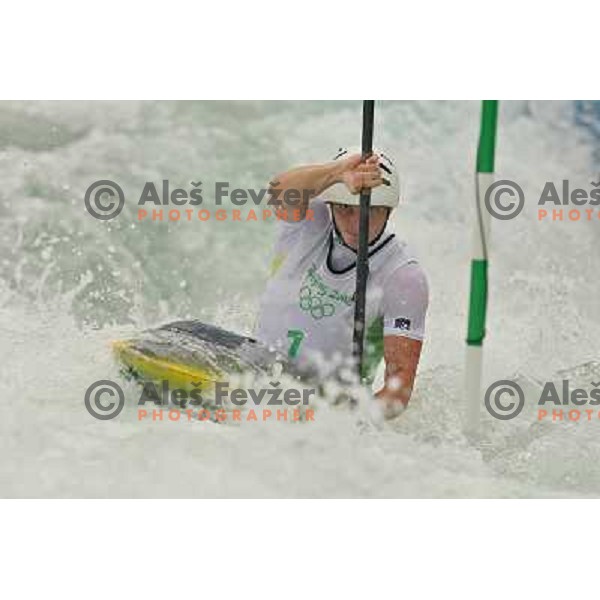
(362, 259)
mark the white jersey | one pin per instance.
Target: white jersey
(307, 310)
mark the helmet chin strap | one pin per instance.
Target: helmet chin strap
(338, 238)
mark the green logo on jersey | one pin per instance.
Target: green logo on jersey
(317, 298)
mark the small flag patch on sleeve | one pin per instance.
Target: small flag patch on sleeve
(402, 323)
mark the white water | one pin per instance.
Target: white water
(69, 284)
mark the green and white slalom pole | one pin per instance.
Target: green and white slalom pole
(479, 264)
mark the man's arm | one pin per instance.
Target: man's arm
(293, 190)
(406, 298)
(401, 355)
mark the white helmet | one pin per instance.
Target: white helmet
(387, 194)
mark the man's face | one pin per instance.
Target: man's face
(347, 219)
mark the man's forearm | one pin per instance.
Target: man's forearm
(401, 361)
(306, 183)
